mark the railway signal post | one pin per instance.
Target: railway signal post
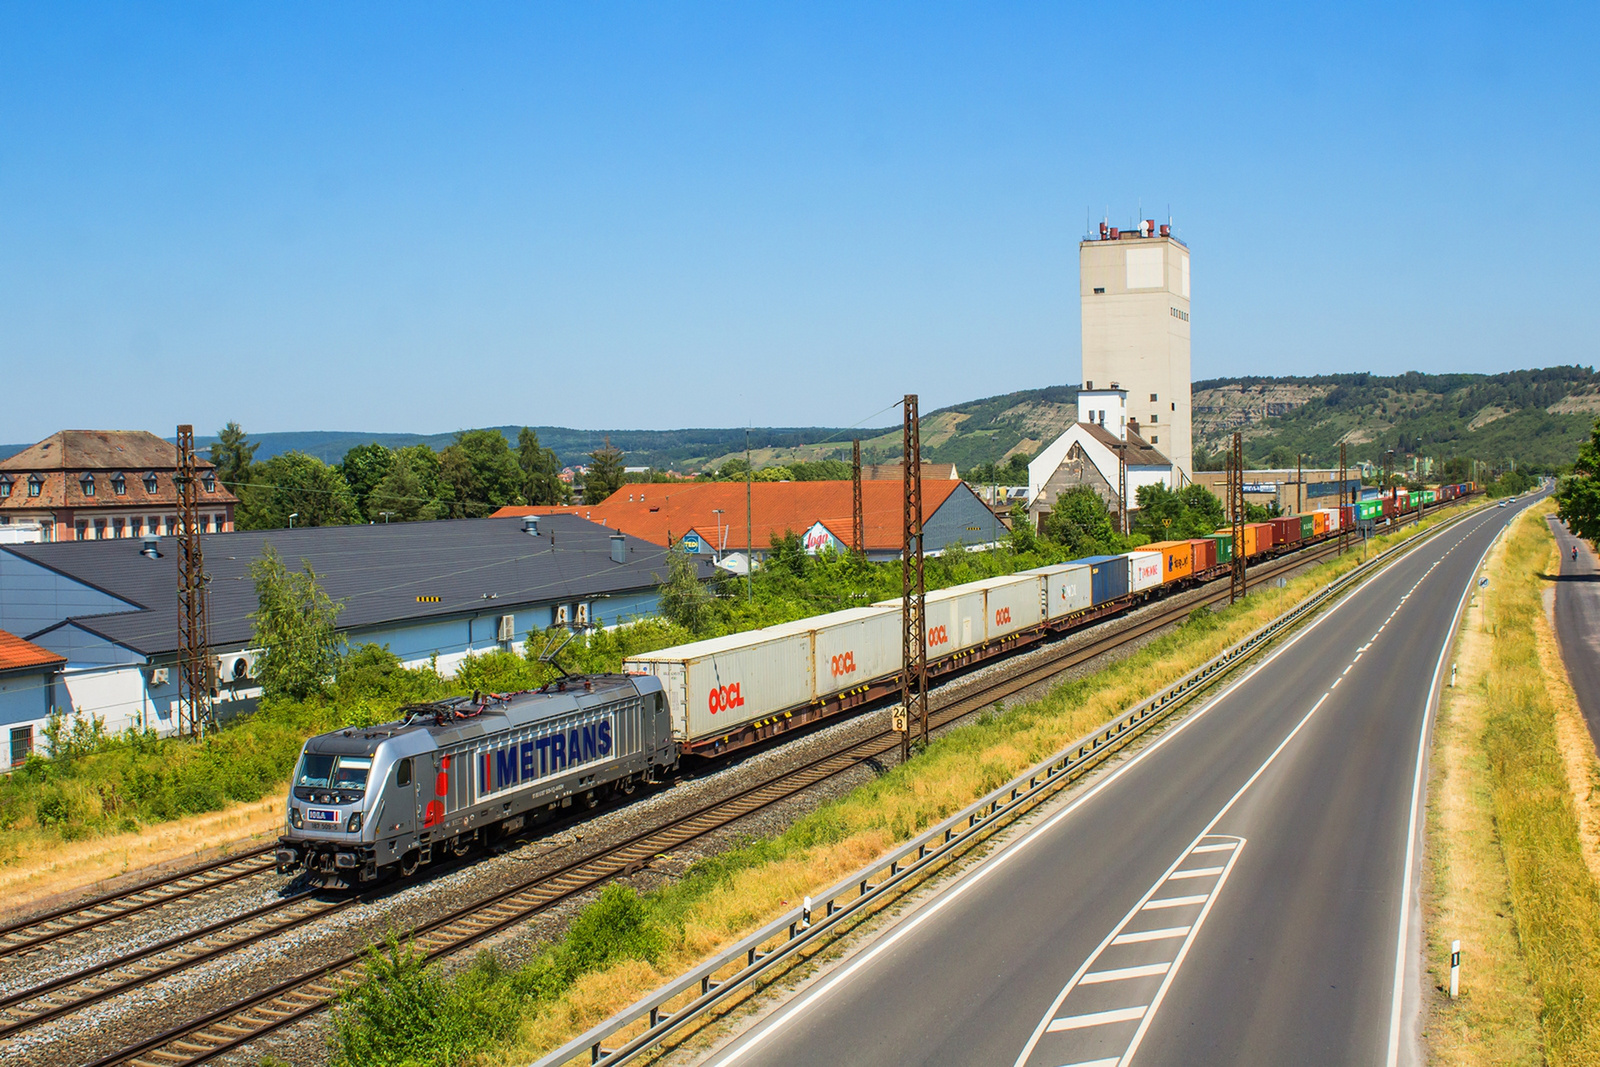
(1344, 500)
(914, 644)
(194, 653)
(1236, 583)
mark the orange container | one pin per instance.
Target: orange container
(1177, 559)
(1319, 523)
(1257, 538)
(1205, 554)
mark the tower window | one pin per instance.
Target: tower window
(1155, 440)
(1154, 417)
(1099, 290)
(1154, 398)
(1174, 405)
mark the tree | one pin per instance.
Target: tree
(541, 471)
(294, 623)
(233, 454)
(1193, 511)
(363, 467)
(774, 474)
(1080, 522)
(482, 473)
(402, 494)
(300, 485)
(605, 473)
(685, 599)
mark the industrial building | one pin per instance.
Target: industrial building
(1134, 289)
(709, 517)
(94, 485)
(1291, 491)
(429, 591)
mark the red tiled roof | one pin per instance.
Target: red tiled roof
(652, 511)
(15, 653)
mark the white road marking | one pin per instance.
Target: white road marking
(1226, 846)
(1121, 974)
(1110, 1061)
(1198, 872)
(1150, 935)
(1175, 902)
(1347, 669)
(1097, 1018)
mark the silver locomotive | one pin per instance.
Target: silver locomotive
(468, 770)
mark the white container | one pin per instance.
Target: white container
(1066, 589)
(1012, 603)
(853, 647)
(1333, 518)
(1144, 571)
(954, 618)
(717, 685)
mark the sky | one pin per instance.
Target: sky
(401, 217)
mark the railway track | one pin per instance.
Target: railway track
(307, 994)
(24, 935)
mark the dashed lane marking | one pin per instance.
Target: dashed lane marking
(1122, 974)
(1098, 1018)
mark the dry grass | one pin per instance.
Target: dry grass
(1468, 892)
(1572, 733)
(49, 869)
(1503, 744)
(747, 890)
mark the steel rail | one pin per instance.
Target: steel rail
(25, 934)
(305, 995)
(796, 931)
(300, 997)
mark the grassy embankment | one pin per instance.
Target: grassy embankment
(585, 977)
(1512, 816)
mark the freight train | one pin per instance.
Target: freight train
(369, 801)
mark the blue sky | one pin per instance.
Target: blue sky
(401, 217)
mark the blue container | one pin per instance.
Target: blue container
(1108, 577)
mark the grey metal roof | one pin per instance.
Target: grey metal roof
(471, 565)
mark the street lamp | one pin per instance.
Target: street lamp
(293, 515)
(386, 515)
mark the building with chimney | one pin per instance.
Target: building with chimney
(97, 485)
(1134, 288)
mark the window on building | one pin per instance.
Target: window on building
(1154, 417)
(205, 524)
(81, 527)
(35, 484)
(172, 524)
(5, 488)
(135, 527)
(1154, 398)
(219, 519)
(87, 481)
(21, 744)
(99, 529)
(209, 480)
(116, 528)
(119, 484)
(1099, 290)
(150, 482)
(1174, 405)
(154, 522)
(1155, 440)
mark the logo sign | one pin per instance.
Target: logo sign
(690, 542)
(322, 815)
(818, 538)
(527, 759)
(1261, 487)
(725, 698)
(842, 664)
(1002, 616)
(938, 635)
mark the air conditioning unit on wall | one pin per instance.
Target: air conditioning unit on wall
(237, 667)
(158, 675)
(583, 615)
(561, 614)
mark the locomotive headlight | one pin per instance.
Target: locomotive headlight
(355, 822)
(294, 818)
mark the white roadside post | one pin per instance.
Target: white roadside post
(1455, 968)
(805, 914)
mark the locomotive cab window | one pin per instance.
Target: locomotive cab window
(402, 772)
(333, 772)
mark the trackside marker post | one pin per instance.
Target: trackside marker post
(1455, 968)
(805, 914)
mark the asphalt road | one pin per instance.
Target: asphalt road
(1240, 891)
(1578, 622)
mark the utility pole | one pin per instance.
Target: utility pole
(1299, 483)
(1122, 483)
(858, 536)
(194, 642)
(1344, 501)
(1236, 582)
(914, 632)
(749, 512)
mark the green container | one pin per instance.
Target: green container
(1429, 496)
(1369, 509)
(1224, 546)
(1308, 527)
